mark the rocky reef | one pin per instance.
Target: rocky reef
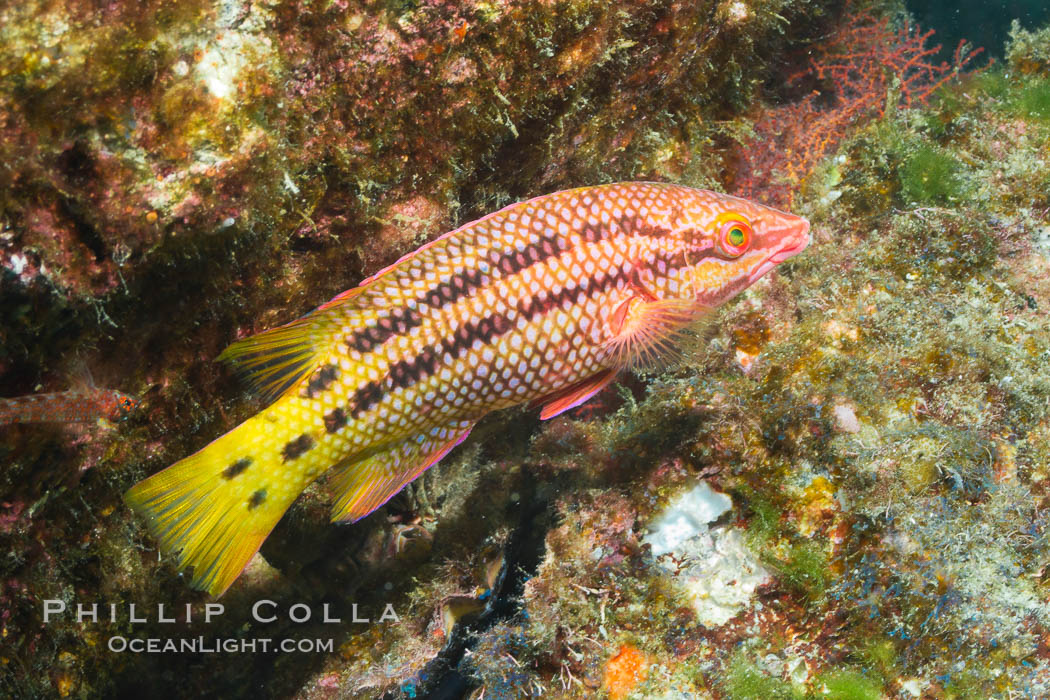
(840, 492)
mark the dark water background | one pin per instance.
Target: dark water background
(981, 22)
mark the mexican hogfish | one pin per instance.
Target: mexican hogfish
(543, 301)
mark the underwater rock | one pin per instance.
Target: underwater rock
(713, 567)
(845, 419)
(687, 516)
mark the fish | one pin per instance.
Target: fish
(542, 302)
(85, 405)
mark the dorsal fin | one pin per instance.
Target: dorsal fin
(341, 298)
(80, 377)
(452, 233)
(276, 360)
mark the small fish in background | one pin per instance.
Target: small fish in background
(86, 405)
(541, 302)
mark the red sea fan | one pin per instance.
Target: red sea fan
(856, 67)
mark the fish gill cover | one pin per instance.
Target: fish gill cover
(177, 176)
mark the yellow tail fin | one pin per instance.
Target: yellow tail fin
(213, 509)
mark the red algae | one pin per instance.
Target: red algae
(853, 70)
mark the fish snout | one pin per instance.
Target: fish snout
(792, 238)
(795, 239)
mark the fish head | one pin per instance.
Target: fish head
(117, 405)
(729, 243)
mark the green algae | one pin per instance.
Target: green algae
(805, 569)
(930, 176)
(1033, 100)
(848, 684)
(800, 565)
(745, 681)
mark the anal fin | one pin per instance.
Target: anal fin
(364, 485)
(575, 394)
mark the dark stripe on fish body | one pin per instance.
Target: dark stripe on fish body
(637, 225)
(405, 373)
(257, 499)
(473, 331)
(454, 288)
(543, 302)
(665, 263)
(236, 468)
(320, 380)
(400, 321)
(409, 371)
(296, 448)
(334, 420)
(513, 261)
(364, 398)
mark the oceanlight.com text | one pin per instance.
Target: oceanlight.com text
(203, 645)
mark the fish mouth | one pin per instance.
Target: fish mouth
(794, 241)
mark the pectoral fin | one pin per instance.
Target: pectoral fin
(364, 485)
(572, 396)
(645, 332)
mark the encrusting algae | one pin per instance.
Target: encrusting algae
(544, 301)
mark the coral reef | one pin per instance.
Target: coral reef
(840, 492)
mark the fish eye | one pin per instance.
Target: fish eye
(735, 236)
